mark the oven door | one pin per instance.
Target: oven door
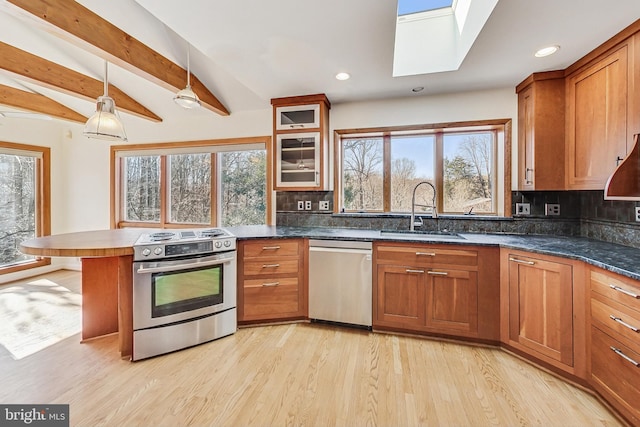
(170, 291)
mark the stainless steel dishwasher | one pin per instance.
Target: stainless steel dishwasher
(340, 282)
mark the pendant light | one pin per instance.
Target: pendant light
(187, 98)
(105, 123)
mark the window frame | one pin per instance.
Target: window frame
(164, 149)
(501, 166)
(42, 200)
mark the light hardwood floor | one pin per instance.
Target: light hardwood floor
(299, 374)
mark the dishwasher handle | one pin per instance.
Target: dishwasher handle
(340, 250)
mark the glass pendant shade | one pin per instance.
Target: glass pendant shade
(187, 98)
(105, 124)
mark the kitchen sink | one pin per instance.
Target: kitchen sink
(427, 235)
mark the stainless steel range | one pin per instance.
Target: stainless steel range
(184, 289)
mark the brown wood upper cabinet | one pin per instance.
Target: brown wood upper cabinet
(539, 305)
(301, 138)
(541, 119)
(597, 97)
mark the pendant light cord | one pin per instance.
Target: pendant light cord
(188, 65)
(106, 78)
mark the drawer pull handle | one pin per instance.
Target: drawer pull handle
(623, 323)
(415, 271)
(624, 291)
(438, 273)
(270, 248)
(521, 261)
(625, 357)
(268, 284)
(425, 254)
(270, 265)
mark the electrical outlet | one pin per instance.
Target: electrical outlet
(307, 205)
(523, 209)
(300, 205)
(637, 213)
(552, 209)
(323, 205)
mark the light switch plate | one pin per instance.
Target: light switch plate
(300, 205)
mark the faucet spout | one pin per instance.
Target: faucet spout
(434, 210)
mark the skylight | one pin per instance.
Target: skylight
(407, 7)
(435, 35)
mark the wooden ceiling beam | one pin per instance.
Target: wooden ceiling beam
(26, 66)
(34, 102)
(75, 23)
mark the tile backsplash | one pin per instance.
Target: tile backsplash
(582, 213)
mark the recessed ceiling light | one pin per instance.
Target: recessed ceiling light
(342, 76)
(546, 51)
(417, 89)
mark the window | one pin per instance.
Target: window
(24, 202)
(197, 184)
(380, 168)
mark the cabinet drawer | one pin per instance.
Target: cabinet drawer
(271, 248)
(417, 255)
(617, 317)
(622, 290)
(270, 266)
(270, 298)
(614, 369)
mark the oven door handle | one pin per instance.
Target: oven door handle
(167, 268)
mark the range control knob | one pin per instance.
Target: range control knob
(146, 252)
(158, 251)
(218, 244)
(227, 243)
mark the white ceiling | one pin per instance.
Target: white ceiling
(249, 51)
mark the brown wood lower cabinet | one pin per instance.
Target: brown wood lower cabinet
(615, 341)
(543, 313)
(272, 283)
(436, 289)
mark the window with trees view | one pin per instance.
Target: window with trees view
(24, 202)
(202, 185)
(379, 170)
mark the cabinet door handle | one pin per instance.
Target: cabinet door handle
(624, 291)
(414, 271)
(618, 160)
(625, 357)
(425, 254)
(438, 273)
(270, 265)
(270, 248)
(268, 284)
(521, 261)
(296, 126)
(623, 323)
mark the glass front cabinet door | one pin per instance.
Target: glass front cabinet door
(301, 143)
(298, 117)
(299, 160)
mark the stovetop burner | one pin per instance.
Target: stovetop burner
(160, 236)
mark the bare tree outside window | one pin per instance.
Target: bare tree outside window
(17, 206)
(362, 174)
(142, 188)
(190, 189)
(244, 186)
(468, 181)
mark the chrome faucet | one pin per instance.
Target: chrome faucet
(434, 210)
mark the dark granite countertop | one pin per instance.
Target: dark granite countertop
(616, 258)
